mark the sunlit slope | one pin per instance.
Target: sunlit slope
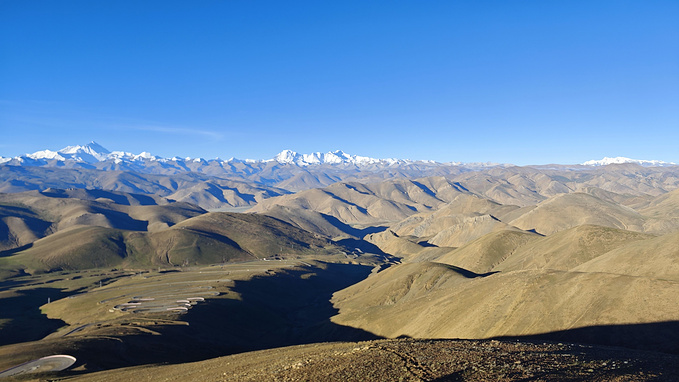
(373, 203)
(306, 180)
(524, 186)
(512, 303)
(428, 235)
(203, 189)
(258, 235)
(656, 258)
(666, 205)
(216, 193)
(569, 210)
(565, 250)
(74, 248)
(517, 283)
(409, 248)
(483, 254)
(465, 218)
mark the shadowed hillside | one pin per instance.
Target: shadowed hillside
(32, 215)
(210, 238)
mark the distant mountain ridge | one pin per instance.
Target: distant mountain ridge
(288, 170)
(93, 153)
(622, 160)
(334, 157)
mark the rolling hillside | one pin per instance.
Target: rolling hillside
(216, 237)
(28, 216)
(432, 302)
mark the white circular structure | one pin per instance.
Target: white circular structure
(41, 365)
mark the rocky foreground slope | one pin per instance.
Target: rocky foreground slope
(417, 360)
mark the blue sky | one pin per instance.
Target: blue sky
(524, 82)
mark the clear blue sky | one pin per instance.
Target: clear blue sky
(525, 82)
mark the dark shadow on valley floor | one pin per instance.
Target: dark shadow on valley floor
(353, 231)
(291, 307)
(26, 321)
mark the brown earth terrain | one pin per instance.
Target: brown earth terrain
(412, 360)
(547, 274)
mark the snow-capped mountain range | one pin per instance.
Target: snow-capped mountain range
(93, 153)
(89, 153)
(334, 157)
(622, 160)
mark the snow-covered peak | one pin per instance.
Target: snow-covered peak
(46, 154)
(286, 156)
(89, 153)
(93, 152)
(333, 157)
(622, 160)
(92, 148)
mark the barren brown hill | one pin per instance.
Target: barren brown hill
(234, 183)
(317, 222)
(533, 293)
(570, 210)
(376, 203)
(427, 235)
(409, 248)
(429, 224)
(656, 258)
(634, 201)
(81, 247)
(524, 186)
(665, 205)
(185, 186)
(550, 200)
(31, 215)
(306, 180)
(483, 254)
(663, 213)
(206, 239)
(432, 302)
(468, 229)
(261, 236)
(66, 208)
(565, 250)
(20, 225)
(218, 193)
